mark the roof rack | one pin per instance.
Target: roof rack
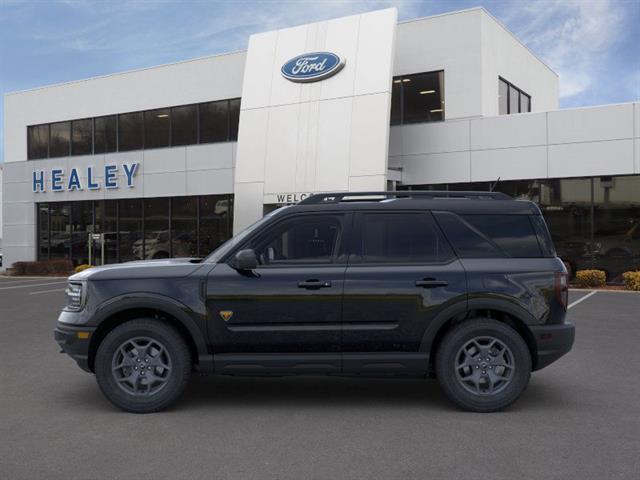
(337, 197)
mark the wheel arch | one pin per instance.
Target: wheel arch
(122, 309)
(502, 310)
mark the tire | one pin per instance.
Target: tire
(472, 382)
(135, 352)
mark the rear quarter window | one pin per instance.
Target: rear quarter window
(491, 235)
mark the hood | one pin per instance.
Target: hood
(165, 268)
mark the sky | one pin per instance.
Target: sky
(593, 45)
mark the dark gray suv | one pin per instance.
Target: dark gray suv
(463, 286)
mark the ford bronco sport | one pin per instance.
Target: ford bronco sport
(463, 286)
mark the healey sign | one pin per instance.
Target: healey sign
(57, 181)
(312, 67)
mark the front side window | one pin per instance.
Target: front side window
(313, 239)
(401, 238)
(417, 98)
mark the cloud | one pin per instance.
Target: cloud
(574, 37)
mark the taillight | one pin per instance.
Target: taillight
(562, 289)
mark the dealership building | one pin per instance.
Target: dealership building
(169, 161)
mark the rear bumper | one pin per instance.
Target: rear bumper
(74, 345)
(552, 342)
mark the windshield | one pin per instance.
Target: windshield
(230, 244)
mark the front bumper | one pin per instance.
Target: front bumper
(75, 341)
(552, 342)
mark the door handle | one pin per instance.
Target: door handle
(314, 284)
(431, 283)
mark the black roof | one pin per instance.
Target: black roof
(452, 201)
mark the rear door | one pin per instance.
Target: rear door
(401, 274)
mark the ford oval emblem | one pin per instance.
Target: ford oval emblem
(311, 67)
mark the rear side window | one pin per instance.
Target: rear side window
(484, 236)
(544, 238)
(401, 238)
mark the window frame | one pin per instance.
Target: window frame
(355, 257)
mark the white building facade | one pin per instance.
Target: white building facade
(169, 161)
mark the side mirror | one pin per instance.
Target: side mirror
(245, 260)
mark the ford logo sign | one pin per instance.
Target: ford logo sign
(311, 67)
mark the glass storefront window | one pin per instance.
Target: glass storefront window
(131, 239)
(215, 221)
(133, 229)
(184, 226)
(60, 234)
(43, 231)
(157, 242)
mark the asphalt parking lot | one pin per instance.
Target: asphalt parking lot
(579, 418)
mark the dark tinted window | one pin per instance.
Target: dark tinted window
(544, 238)
(514, 234)
(214, 121)
(130, 131)
(130, 221)
(81, 137)
(38, 141)
(184, 226)
(467, 241)
(184, 125)
(156, 228)
(156, 128)
(105, 134)
(401, 237)
(234, 118)
(59, 139)
(417, 98)
(215, 222)
(312, 239)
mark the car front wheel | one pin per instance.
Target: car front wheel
(143, 365)
(483, 365)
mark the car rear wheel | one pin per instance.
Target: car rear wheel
(143, 365)
(483, 365)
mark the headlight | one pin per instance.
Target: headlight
(75, 296)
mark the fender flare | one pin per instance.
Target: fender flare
(503, 304)
(162, 303)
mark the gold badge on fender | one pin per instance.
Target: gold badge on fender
(226, 315)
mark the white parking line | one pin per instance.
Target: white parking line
(32, 285)
(581, 299)
(47, 291)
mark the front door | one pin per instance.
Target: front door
(286, 314)
(401, 274)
